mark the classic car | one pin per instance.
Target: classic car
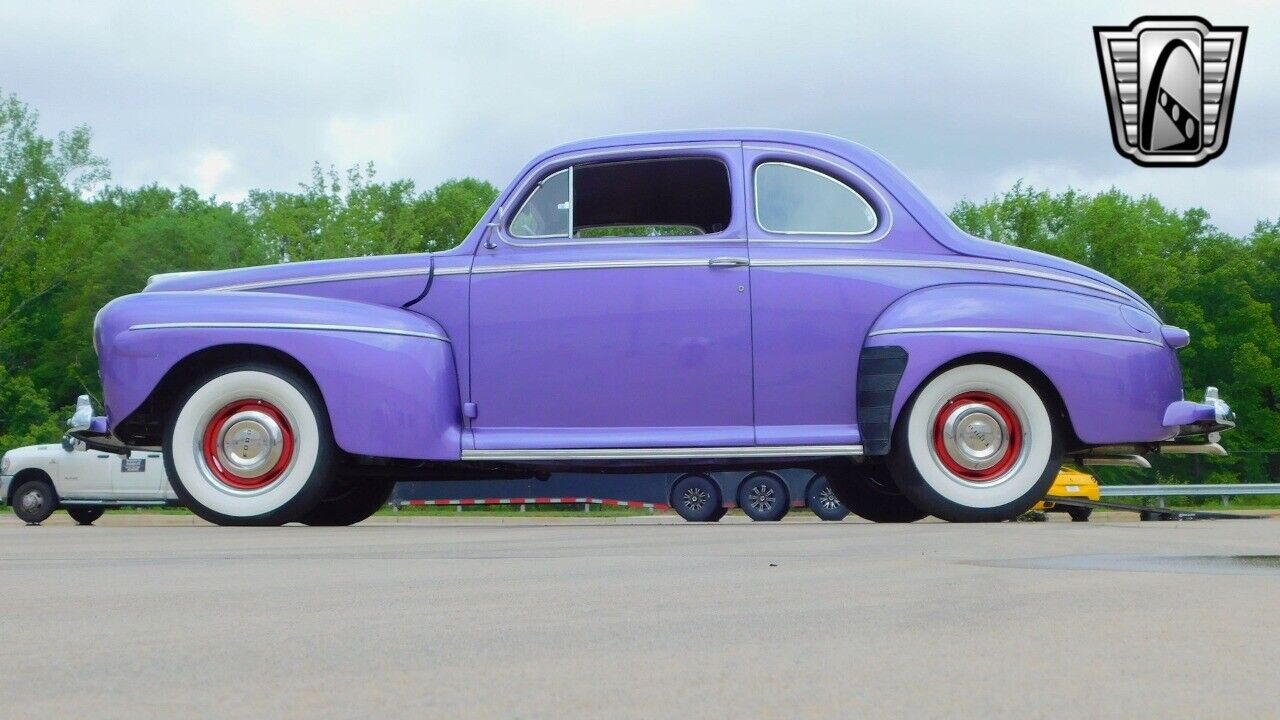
(36, 480)
(682, 300)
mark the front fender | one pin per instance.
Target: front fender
(1108, 362)
(387, 376)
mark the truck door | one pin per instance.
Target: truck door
(137, 476)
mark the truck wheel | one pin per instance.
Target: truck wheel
(85, 515)
(823, 500)
(977, 444)
(697, 499)
(34, 501)
(718, 514)
(869, 493)
(250, 445)
(762, 496)
(1079, 514)
(351, 501)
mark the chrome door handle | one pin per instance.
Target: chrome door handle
(728, 262)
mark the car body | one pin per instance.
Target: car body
(84, 478)
(692, 299)
(1074, 484)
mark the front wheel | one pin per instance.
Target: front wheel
(977, 444)
(250, 445)
(34, 501)
(85, 515)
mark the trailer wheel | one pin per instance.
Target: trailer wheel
(84, 515)
(697, 499)
(762, 496)
(350, 502)
(823, 500)
(870, 494)
(718, 514)
(1079, 514)
(34, 501)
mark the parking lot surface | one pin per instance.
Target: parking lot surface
(157, 616)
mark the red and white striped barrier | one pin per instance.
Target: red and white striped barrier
(538, 501)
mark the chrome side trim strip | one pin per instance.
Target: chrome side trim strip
(942, 265)
(591, 265)
(1014, 331)
(289, 326)
(337, 277)
(664, 453)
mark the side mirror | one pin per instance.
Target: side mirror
(68, 443)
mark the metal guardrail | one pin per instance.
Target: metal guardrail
(1160, 492)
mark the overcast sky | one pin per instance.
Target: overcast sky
(225, 97)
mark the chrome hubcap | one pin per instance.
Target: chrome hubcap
(250, 443)
(761, 498)
(975, 436)
(695, 498)
(32, 501)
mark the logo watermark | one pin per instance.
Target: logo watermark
(1171, 86)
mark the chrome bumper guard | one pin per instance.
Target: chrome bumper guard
(1189, 419)
(92, 430)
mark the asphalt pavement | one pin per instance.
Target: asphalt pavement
(159, 616)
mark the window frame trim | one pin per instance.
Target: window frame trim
(755, 203)
(718, 151)
(538, 186)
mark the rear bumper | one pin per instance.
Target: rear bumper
(1200, 418)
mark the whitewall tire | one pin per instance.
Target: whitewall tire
(250, 445)
(977, 443)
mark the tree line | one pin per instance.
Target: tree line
(70, 241)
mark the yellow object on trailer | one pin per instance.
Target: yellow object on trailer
(1074, 484)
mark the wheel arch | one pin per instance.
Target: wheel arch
(1021, 367)
(144, 426)
(27, 475)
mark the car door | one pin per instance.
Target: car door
(86, 474)
(137, 476)
(812, 218)
(610, 307)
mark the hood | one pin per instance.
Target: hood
(416, 266)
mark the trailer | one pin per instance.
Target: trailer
(696, 496)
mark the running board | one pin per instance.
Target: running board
(665, 453)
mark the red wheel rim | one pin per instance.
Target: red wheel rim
(214, 440)
(979, 404)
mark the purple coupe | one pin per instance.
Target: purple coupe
(687, 301)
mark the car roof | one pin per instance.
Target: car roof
(821, 141)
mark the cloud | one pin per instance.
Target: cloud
(963, 99)
(211, 167)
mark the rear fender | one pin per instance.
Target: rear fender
(1106, 362)
(387, 376)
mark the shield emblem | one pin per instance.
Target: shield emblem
(1170, 84)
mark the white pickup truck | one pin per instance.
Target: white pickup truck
(38, 479)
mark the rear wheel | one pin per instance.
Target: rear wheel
(697, 499)
(978, 444)
(34, 501)
(763, 497)
(250, 445)
(350, 501)
(869, 493)
(824, 501)
(85, 515)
